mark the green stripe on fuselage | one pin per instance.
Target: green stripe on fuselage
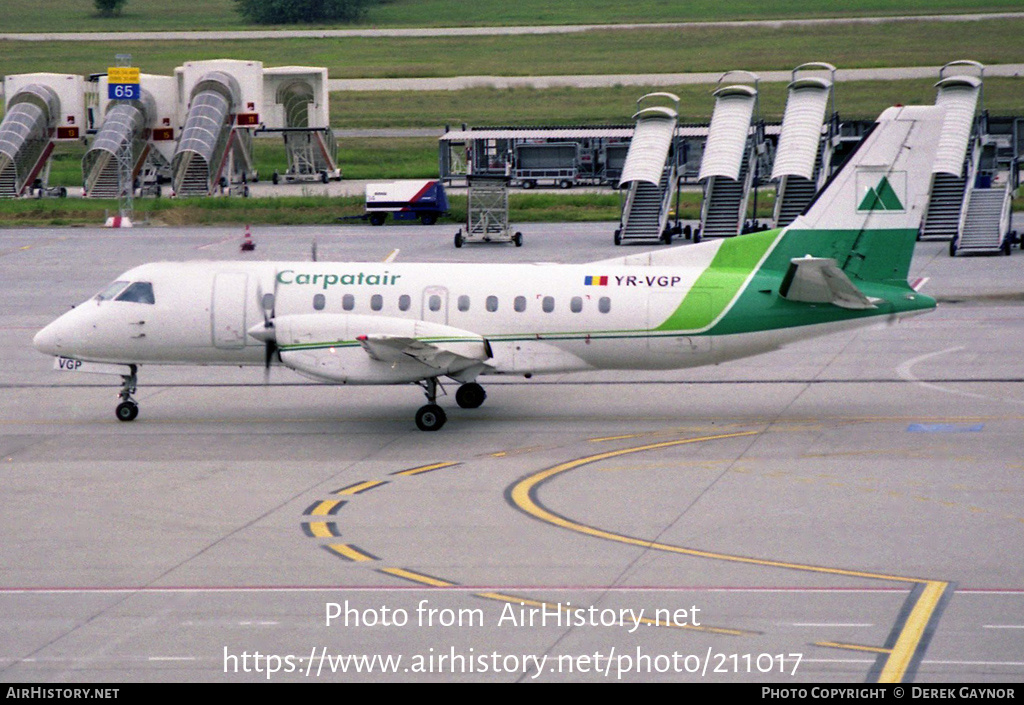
(718, 285)
(876, 261)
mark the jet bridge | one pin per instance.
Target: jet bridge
(803, 156)
(728, 164)
(214, 151)
(41, 110)
(650, 172)
(300, 113)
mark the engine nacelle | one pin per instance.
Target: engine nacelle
(359, 349)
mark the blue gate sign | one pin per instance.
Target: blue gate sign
(123, 83)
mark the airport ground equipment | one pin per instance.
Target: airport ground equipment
(409, 199)
(559, 156)
(729, 160)
(956, 162)
(214, 151)
(41, 110)
(649, 173)
(803, 155)
(300, 113)
(555, 163)
(146, 125)
(975, 171)
(487, 213)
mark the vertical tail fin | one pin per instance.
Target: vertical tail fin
(867, 217)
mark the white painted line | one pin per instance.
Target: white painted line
(975, 663)
(826, 624)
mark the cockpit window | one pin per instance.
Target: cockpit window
(111, 291)
(138, 292)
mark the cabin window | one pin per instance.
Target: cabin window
(404, 302)
(376, 302)
(319, 301)
(463, 303)
(519, 304)
(434, 302)
(604, 304)
(139, 293)
(111, 291)
(576, 304)
(548, 304)
(348, 302)
(492, 303)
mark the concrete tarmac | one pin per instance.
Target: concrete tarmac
(846, 510)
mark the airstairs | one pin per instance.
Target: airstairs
(125, 123)
(312, 152)
(956, 159)
(649, 173)
(213, 153)
(26, 138)
(986, 224)
(728, 164)
(802, 160)
(972, 186)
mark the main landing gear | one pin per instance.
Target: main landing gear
(470, 396)
(127, 410)
(431, 417)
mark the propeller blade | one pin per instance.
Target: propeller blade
(267, 334)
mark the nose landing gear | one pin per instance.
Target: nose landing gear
(127, 410)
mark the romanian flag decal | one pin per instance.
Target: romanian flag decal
(595, 281)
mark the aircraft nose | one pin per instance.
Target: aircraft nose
(48, 340)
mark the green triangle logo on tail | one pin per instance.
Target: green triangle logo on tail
(881, 198)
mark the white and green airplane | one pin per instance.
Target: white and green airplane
(843, 264)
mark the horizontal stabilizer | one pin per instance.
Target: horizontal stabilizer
(818, 280)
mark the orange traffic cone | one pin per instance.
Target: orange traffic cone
(247, 244)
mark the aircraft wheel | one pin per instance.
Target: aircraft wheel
(470, 395)
(127, 411)
(430, 417)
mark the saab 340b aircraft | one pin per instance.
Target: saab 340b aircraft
(843, 264)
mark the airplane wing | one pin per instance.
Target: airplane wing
(819, 280)
(443, 355)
